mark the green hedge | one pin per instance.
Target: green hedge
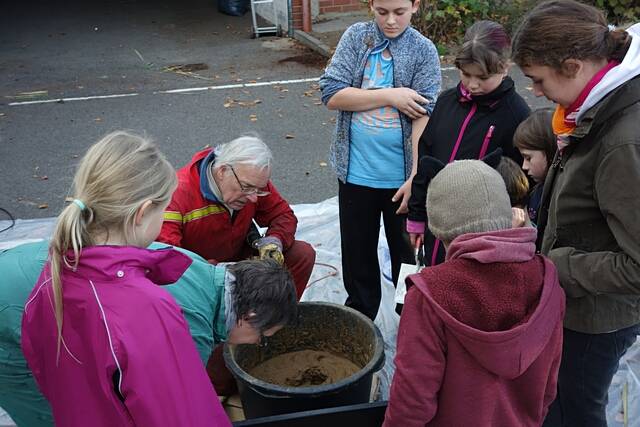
(445, 21)
(619, 11)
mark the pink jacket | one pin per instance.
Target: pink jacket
(480, 337)
(127, 357)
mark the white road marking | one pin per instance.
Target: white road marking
(241, 85)
(81, 98)
(175, 91)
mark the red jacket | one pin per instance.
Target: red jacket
(205, 227)
(480, 337)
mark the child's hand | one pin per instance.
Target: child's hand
(416, 240)
(404, 192)
(519, 218)
(408, 101)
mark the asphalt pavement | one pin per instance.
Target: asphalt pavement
(179, 71)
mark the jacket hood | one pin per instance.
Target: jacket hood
(617, 76)
(161, 266)
(507, 353)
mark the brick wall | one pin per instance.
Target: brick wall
(296, 9)
(330, 6)
(326, 6)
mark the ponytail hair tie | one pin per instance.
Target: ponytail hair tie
(80, 204)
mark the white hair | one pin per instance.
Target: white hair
(246, 150)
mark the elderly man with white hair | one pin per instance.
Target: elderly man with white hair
(220, 193)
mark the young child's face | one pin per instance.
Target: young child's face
(479, 83)
(393, 16)
(534, 164)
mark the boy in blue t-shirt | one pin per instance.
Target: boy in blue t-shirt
(383, 79)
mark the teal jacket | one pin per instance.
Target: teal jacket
(199, 292)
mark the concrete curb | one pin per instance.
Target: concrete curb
(312, 43)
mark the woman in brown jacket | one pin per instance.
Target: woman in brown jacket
(588, 219)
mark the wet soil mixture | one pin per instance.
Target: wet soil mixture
(304, 368)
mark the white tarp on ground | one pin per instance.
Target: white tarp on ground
(318, 225)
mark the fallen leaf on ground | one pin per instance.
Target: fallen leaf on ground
(289, 136)
(43, 206)
(253, 118)
(323, 164)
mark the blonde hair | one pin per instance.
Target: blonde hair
(115, 177)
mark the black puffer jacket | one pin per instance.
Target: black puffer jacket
(464, 126)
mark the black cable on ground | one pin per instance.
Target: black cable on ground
(11, 218)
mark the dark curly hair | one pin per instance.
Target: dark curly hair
(263, 288)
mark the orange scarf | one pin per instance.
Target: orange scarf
(564, 119)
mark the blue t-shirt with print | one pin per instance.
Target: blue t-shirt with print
(376, 157)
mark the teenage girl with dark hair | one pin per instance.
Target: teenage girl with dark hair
(476, 117)
(588, 218)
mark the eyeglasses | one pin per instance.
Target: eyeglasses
(249, 190)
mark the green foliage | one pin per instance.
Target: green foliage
(445, 20)
(619, 11)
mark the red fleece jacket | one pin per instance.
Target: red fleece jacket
(205, 226)
(480, 336)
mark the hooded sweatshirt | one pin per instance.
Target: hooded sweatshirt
(617, 76)
(127, 358)
(480, 336)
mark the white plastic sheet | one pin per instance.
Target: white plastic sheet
(318, 225)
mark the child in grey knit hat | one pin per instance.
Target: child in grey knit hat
(480, 333)
(467, 196)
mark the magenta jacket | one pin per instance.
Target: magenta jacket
(127, 357)
(480, 337)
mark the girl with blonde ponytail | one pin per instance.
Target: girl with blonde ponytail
(106, 344)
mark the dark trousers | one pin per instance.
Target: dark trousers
(360, 209)
(589, 362)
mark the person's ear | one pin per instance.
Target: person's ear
(505, 67)
(571, 67)
(143, 210)
(415, 6)
(220, 171)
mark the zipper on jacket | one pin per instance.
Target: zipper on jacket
(557, 162)
(485, 142)
(463, 128)
(454, 152)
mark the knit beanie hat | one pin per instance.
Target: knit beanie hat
(467, 196)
